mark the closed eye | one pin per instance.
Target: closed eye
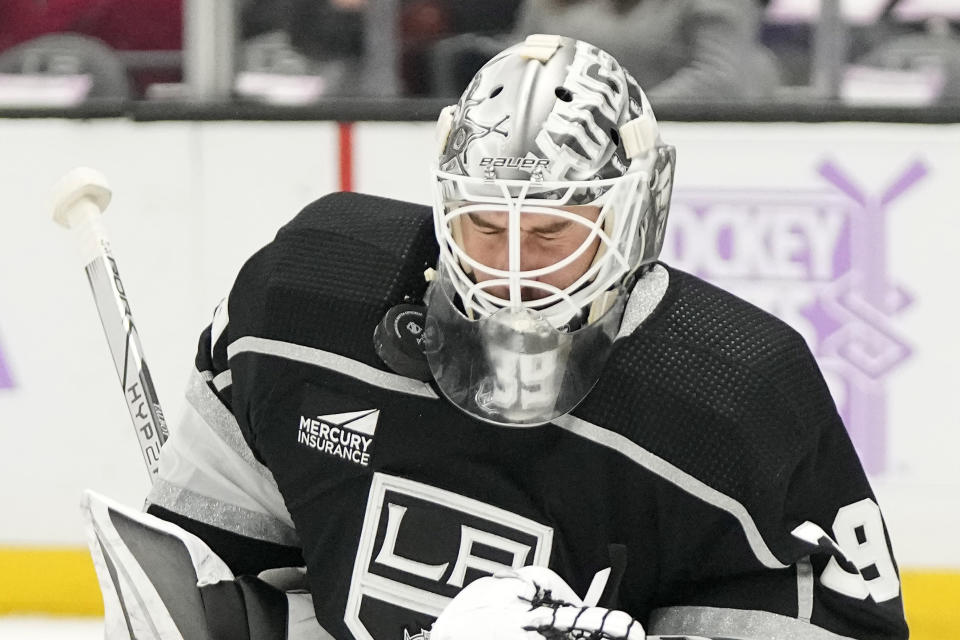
(545, 231)
(483, 226)
(552, 230)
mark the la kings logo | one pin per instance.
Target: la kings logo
(420, 545)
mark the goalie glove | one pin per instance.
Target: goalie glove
(531, 603)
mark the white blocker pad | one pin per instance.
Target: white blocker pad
(160, 582)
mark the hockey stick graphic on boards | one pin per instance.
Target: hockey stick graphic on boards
(80, 199)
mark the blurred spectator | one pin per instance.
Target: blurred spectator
(122, 25)
(331, 34)
(322, 38)
(931, 51)
(83, 68)
(677, 49)
(435, 64)
(328, 29)
(422, 23)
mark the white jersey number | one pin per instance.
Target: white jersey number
(858, 531)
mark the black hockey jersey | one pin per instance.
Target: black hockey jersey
(708, 439)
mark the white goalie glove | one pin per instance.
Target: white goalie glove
(531, 603)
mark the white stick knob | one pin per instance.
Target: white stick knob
(80, 195)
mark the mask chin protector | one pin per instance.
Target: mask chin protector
(512, 367)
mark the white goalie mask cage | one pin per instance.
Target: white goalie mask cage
(552, 129)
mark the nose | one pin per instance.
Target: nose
(532, 255)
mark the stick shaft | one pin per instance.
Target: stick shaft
(110, 298)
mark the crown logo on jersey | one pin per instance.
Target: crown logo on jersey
(423, 635)
(343, 435)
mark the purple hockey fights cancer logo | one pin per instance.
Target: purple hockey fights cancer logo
(6, 381)
(817, 259)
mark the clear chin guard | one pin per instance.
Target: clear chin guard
(513, 367)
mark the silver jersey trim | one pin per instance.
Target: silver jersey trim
(646, 295)
(804, 589)
(676, 476)
(208, 473)
(220, 420)
(222, 515)
(333, 362)
(223, 380)
(735, 624)
(221, 318)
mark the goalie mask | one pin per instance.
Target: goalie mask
(551, 191)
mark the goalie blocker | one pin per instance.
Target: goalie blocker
(160, 582)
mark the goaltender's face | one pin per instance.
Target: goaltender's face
(544, 240)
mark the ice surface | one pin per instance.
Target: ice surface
(50, 628)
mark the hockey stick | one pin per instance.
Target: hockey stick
(80, 199)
